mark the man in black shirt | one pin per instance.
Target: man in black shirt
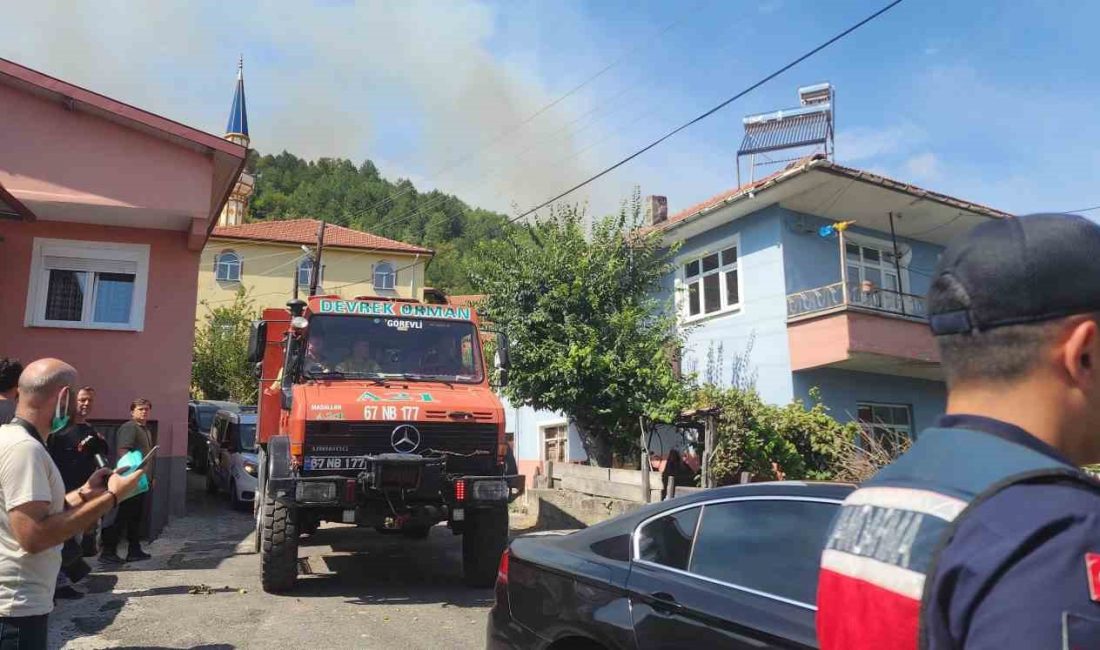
(134, 435)
(73, 450)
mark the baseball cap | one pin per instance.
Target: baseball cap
(1016, 270)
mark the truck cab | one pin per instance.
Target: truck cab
(378, 413)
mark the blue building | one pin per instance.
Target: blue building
(766, 296)
(761, 284)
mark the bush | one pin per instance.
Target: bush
(772, 442)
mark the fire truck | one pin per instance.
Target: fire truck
(379, 413)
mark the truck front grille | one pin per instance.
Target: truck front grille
(460, 442)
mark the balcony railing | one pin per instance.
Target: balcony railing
(833, 296)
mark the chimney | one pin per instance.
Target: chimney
(656, 210)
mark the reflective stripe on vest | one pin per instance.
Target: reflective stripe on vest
(886, 539)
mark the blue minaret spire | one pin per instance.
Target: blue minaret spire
(236, 207)
(238, 117)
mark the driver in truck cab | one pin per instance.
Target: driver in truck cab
(317, 358)
(360, 361)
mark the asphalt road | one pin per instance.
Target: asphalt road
(363, 590)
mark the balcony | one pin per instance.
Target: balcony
(865, 328)
(831, 297)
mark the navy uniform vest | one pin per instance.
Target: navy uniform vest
(880, 558)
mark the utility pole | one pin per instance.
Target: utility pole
(313, 277)
(897, 264)
(645, 460)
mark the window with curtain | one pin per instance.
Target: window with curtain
(227, 267)
(88, 285)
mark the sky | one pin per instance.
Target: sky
(508, 103)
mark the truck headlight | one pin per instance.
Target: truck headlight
(490, 491)
(250, 469)
(316, 492)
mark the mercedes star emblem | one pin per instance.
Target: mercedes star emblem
(405, 439)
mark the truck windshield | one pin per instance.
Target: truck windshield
(385, 347)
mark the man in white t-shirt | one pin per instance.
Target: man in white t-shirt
(36, 516)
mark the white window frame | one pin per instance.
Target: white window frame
(218, 263)
(309, 271)
(905, 254)
(683, 285)
(543, 426)
(892, 428)
(392, 276)
(38, 283)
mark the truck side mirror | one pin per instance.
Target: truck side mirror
(502, 360)
(503, 357)
(257, 341)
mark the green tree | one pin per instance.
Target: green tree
(219, 365)
(588, 337)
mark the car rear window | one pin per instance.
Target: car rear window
(770, 546)
(667, 541)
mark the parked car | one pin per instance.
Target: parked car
(732, 567)
(232, 456)
(200, 415)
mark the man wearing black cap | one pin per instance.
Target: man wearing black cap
(986, 534)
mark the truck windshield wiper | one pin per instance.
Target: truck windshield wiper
(326, 374)
(446, 379)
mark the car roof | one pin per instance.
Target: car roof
(626, 523)
(229, 406)
(246, 414)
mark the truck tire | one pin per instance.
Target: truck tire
(483, 541)
(279, 550)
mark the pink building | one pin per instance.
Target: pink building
(104, 210)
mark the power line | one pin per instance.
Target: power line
(1095, 207)
(710, 112)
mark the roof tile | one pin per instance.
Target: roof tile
(304, 231)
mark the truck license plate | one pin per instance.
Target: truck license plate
(314, 463)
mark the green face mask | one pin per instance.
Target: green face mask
(60, 416)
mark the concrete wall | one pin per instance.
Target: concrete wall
(763, 315)
(56, 159)
(121, 365)
(842, 389)
(268, 270)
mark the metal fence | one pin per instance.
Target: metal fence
(832, 296)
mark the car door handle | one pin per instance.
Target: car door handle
(662, 601)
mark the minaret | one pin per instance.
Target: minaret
(237, 131)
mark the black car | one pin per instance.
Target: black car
(732, 567)
(200, 415)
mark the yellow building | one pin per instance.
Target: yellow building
(266, 257)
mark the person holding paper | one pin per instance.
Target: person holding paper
(132, 436)
(36, 515)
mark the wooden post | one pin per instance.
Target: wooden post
(645, 460)
(708, 448)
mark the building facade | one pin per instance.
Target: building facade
(104, 211)
(772, 294)
(266, 260)
(766, 284)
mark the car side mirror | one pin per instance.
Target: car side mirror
(258, 370)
